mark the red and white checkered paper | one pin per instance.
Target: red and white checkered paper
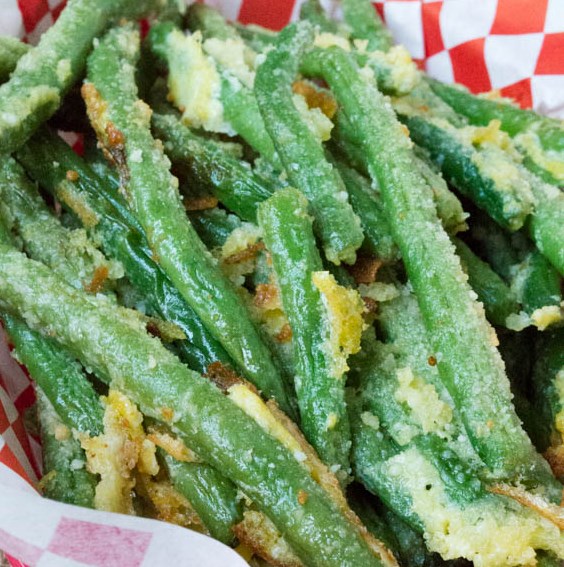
(516, 46)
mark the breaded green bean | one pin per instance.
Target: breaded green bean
(11, 51)
(65, 477)
(46, 73)
(301, 152)
(95, 201)
(232, 182)
(320, 378)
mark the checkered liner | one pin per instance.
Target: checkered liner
(515, 46)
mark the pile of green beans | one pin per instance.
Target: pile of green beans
(332, 332)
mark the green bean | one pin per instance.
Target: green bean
(469, 365)
(213, 496)
(123, 354)
(44, 238)
(365, 23)
(301, 152)
(59, 376)
(546, 226)
(449, 208)
(153, 195)
(289, 238)
(46, 73)
(95, 201)
(312, 11)
(514, 120)
(376, 229)
(495, 245)
(65, 477)
(508, 200)
(209, 21)
(214, 226)
(11, 51)
(541, 283)
(233, 183)
(256, 37)
(547, 387)
(497, 298)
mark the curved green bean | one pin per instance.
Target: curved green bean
(301, 152)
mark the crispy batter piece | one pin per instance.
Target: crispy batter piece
(259, 534)
(316, 98)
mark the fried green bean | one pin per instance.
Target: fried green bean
(65, 477)
(300, 150)
(496, 296)
(11, 51)
(362, 18)
(213, 496)
(45, 74)
(232, 182)
(540, 138)
(320, 379)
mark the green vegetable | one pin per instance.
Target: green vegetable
(497, 298)
(65, 477)
(45, 74)
(68, 252)
(469, 365)
(365, 23)
(95, 201)
(153, 195)
(368, 207)
(213, 496)
(209, 421)
(300, 150)
(11, 51)
(320, 382)
(59, 376)
(233, 183)
(541, 139)
(466, 167)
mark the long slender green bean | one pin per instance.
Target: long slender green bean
(44, 238)
(212, 496)
(365, 23)
(469, 364)
(59, 376)
(376, 228)
(209, 421)
(335, 222)
(320, 379)
(153, 195)
(235, 185)
(507, 199)
(65, 477)
(540, 138)
(96, 202)
(228, 98)
(46, 73)
(496, 296)
(11, 51)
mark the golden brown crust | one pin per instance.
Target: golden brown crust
(99, 278)
(316, 98)
(258, 533)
